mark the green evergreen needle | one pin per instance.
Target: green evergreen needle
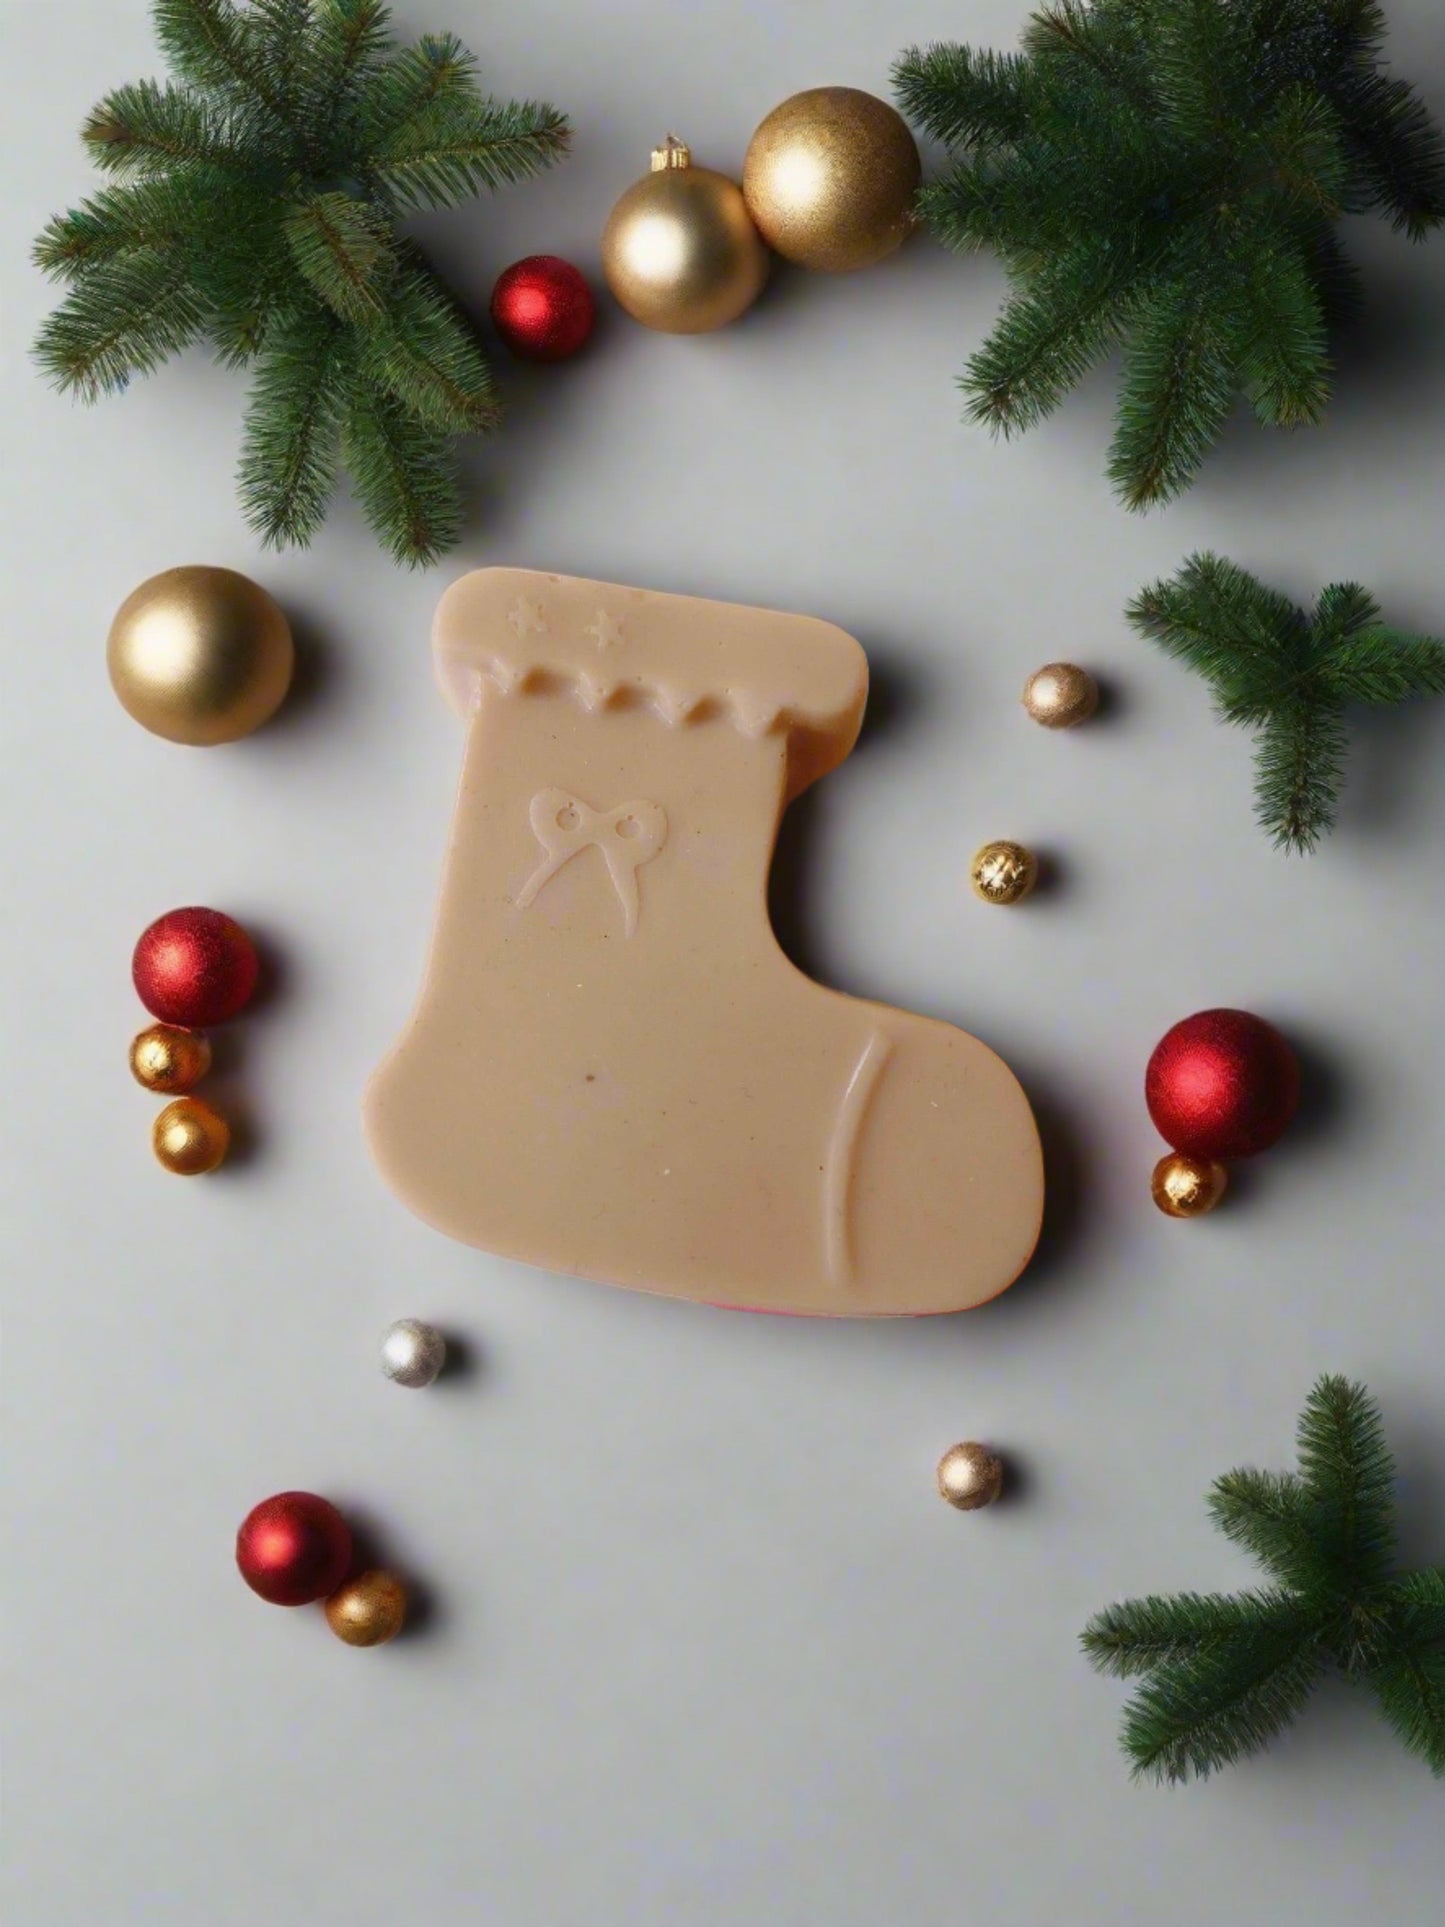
(254, 202)
(1167, 176)
(1223, 1674)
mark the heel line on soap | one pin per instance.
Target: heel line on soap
(838, 1177)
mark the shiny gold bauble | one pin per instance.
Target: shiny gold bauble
(190, 1138)
(167, 1059)
(970, 1476)
(1061, 695)
(830, 178)
(1004, 872)
(679, 251)
(1186, 1187)
(368, 1610)
(200, 655)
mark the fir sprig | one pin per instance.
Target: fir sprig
(1289, 674)
(1167, 176)
(254, 201)
(1223, 1674)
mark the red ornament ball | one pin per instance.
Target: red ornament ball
(294, 1548)
(195, 968)
(543, 308)
(1222, 1084)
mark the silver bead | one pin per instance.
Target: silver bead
(412, 1353)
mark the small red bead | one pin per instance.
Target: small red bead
(543, 308)
(1222, 1084)
(294, 1548)
(195, 968)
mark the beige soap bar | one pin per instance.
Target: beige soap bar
(613, 1069)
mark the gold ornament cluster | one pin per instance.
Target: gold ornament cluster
(828, 183)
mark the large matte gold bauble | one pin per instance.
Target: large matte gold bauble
(368, 1610)
(200, 655)
(168, 1060)
(970, 1476)
(190, 1138)
(1061, 695)
(679, 251)
(1186, 1187)
(1003, 872)
(830, 178)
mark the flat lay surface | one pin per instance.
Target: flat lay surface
(694, 1638)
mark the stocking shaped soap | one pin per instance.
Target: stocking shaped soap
(613, 1069)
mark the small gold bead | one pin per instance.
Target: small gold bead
(970, 1476)
(1003, 872)
(368, 1610)
(190, 1138)
(1061, 695)
(1186, 1187)
(169, 1060)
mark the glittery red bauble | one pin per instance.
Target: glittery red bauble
(1222, 1084)
(294, 1548)
(195, 968)
(542, 308)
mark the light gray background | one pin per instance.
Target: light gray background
(703, 1644)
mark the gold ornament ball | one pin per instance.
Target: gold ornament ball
(970, 1476)
(830, 178)
(368, 1610)
(167, 1060)
(1186, 1187)
(1061, 695)
(1004, 872)
(200, 655)
(679, 251)
(190, 1138)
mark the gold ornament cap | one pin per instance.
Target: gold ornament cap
(200, 655)
(1186, 1187)
(1003, 872)
(1061, 695)
(970, 1476)
(672, 153)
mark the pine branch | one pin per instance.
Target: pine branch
(1299, 772)
(961, 95)
(1410, 1689)
(1218, 141)
(124, 318)
(1418, 1603)
(214, 46)
(1180, 379)
(1350, 1474)
(147, 129)
(1208, 1713)
(259, 210)
(1271, 1516)
(404, 478)
(1223, 1674)
(292, 443)
(144, 216)
(1045, 341)
(1381, 666)
(425, 356)
(451, 152)
(1289, 675)
(1136, 1635)
(345, 254)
